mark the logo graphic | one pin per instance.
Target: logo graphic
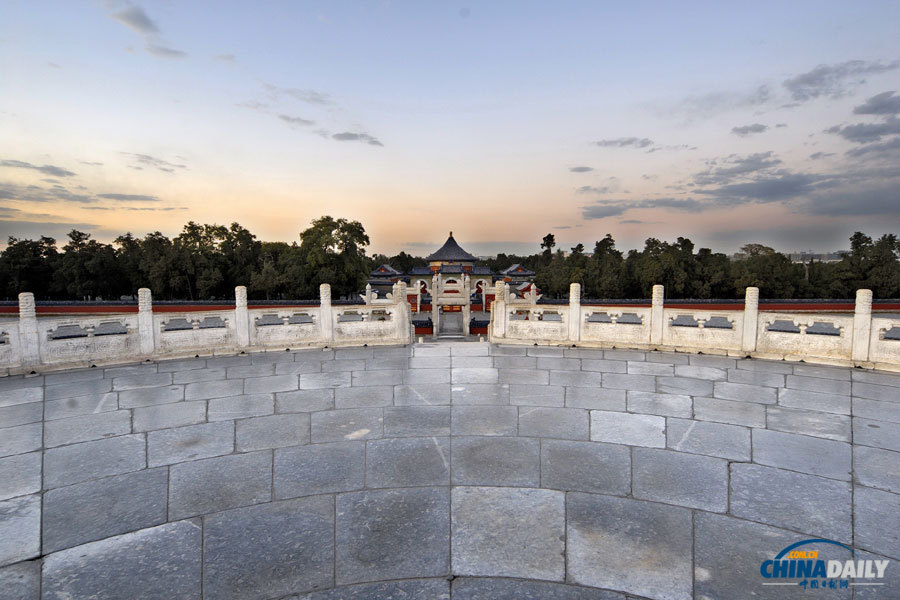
(809, 569)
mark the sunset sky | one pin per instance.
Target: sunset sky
(726, 122)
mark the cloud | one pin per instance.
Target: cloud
(348, 136)
(733, 166)
(129, 197)
(165, 51)
(630, 221)
(834, 81)
(624, 142)
(295, 120)
(706, 105)
(818, 155)
(780, 125)
(45, 169)
(137, 208)
(612, 208)
(890, 147)
(746, 130)
(135, 18)
(304, 95)
(581, 169)
(862, 133)
(92, 164)
(145, 160)
(885, 103)
(784, 185)
(36, 193)
(880, 199)
(229, 58)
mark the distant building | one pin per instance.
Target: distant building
(806, 257)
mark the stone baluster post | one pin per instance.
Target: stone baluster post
(326, 318)
(368, 297)
(29, 337)
(241, 317)
(498, 312)
(657, 316)
(146, 330)
(751, 319)
(862, 326)
(574, 316)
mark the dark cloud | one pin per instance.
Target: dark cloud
(581, 169)
(884, 149)
(135, 18)
(347, 136)
(625, 142)
(295, 120)
(746, 130)
(781, 186)
(611, 208)
(129, 197)
(731, 167)
(592, 189)
(818, 155)
(36, 193)
(780, 125)
(165, 51)
(630, 221)
(145, 160)
(885, 103)
(834, 81)
(45, 169)
(862, 133)
(880, 199)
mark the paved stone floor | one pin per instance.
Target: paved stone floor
(442, 469)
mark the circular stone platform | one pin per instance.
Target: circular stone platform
(458, 470)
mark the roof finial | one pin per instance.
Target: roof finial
(451, 234)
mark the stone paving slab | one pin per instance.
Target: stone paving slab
(260, 452)
(21, 581)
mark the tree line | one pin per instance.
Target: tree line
(206, 262)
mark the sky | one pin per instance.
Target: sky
(724, 122)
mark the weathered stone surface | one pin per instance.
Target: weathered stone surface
(508, 532)
(21, 581)
(405, 462)
(204, 390)
(526, 376)
(242, 371)
(604, 366)
(414, 523)
(585, 467)
(817, 384)
(386, 363)
(623, 355)
(21, 414)
(743, 392)
(711, 439)
(496, 461)
(150, 396)
(876, 377)
(642, 548)
(486, 588)
(364, 397)
(86, 428)
(313, 381)
(809, 422)
(422, 394)
(349, 424)
(163, 562)
(20, 529)
(877, 468)
(296, 368)
(775, 380)
(595, 399)
(666, 405)
(23, 395)
(319, 469)
(726, 569)
(273, 383)
(20, 475)
(474, 375)
(838, 373)
(189, 443)
(484, 420)
(679, 478)
(90, 460)
(806, 503)
(833, 403)
(272, 431)
(403, 421)
(625, 428)
(240, 407)
(578, 378)
(705, 360)
(480, 393)
(370, 378)
(185, 364)
(879, 434)
(21, 439)
(699, 372)
(891, 578)
(164, 416)
(141, 380)
(213, 484)
(560, 423)
(80, 405)
(269, 550)
(650, 368)
(80, 388)
(197, 375)
(802, 453)
(765, 366)
(409, 589)
(873, 409)
(684, 386)
(426, 376)
(876, 515)
(538, 395)
(515, 362)
(635, 383)
(667, 358)
(93, 510)
(429, 362)
(471, 362)
(546, 363)
(728, 411)
(304, 400)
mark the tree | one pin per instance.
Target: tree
(29, 266)
(333, 251)
(605, 277)
(548, 243)
(772, 272)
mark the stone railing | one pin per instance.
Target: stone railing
(860, 339)
(38, 344)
